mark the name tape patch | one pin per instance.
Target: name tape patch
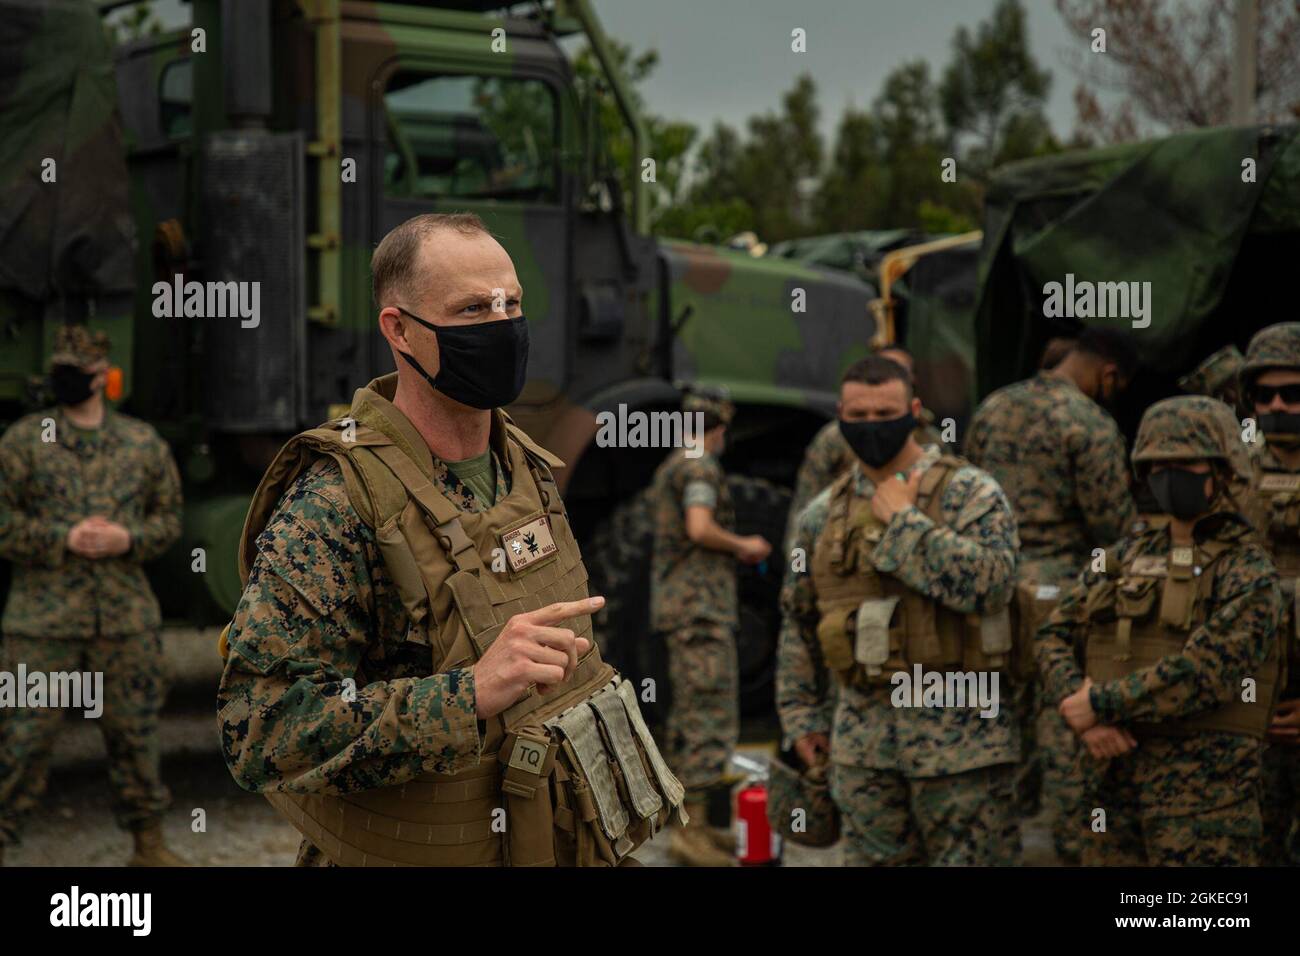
(528, 544)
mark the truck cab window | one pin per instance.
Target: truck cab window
(175, 97)
(470, 137)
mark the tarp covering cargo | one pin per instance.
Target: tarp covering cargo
(858, 252)
(72, 236)
(1211, 219)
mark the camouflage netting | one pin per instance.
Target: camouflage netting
(58, 101)
(1174, 212)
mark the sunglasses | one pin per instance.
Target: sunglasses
(1264, 394)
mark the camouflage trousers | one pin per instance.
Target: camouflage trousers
(703, 724)
(1028, 784)
(1135, 835)
(962, 819)
(1280, 806)
(133, 692)
(1057, 752)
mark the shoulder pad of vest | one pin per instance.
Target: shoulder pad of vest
(530, 446)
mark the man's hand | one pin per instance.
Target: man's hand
(529, 650)
(97, 537)
(893, 496)
(1104, 741)
(1077, 708)
(752, 549)
(812, 748)
(1285, 728)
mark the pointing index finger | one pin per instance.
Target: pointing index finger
(563, 610)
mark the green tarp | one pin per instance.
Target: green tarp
(73, 236)
(1179, 213)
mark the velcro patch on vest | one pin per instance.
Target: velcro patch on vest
(529, 754)
(1276, 482)
(528, 543)
(1149, 566)
(1181, 557)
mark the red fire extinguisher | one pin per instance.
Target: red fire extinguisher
(756, 844)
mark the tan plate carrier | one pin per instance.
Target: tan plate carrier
(572, 777)
(871, 625)
(1149, 611)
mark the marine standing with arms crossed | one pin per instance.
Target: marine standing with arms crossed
(1271, 384)
(1178, 631)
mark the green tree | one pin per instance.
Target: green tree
(993, 93)
(668, 142)
(772, 170)
(885, 171)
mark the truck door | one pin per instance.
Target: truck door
(487, 143)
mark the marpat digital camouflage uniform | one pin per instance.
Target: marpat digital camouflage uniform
(70, 613)
(913, 784)
(320, 606)
(828, 456)
(694, 605)
(1278, 346)
(1061, 460)
(1280, 793)
(1192, 797)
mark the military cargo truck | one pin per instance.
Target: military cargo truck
(274, 142)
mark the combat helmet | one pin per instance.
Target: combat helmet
(1188, 427)
(1217, 376)
(1277, 346)
(713, 401)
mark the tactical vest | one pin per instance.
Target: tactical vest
(576, 771)
(872, 625)
(1275, 512)
(1149, 610)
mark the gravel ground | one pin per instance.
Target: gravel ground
(76, 826)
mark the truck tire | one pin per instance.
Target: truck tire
(618, 560)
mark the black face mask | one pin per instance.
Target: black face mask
(482, 365)
(1281, 428)
(71, 385)
(876, 443)
(1179, 492)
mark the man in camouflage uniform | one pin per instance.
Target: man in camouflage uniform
(1178, 628)
(913, 785)
(694, 606)
(828, 456)
(1270, 379)
(1060, 458)
(322, 605)
(87, 496)
(1217, 377)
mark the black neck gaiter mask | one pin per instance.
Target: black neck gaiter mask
(876, 443)
(1179, 492)
(482, 365)
(1281, 428)
(71, 385)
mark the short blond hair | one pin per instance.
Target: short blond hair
(392, 267)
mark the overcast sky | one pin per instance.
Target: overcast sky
(728, 59)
